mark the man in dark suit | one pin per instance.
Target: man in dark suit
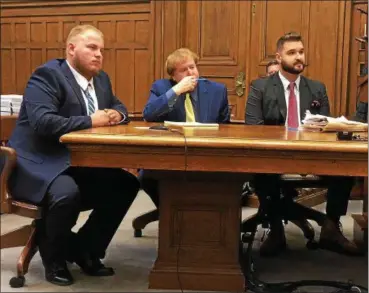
(184, 97)
(61, 96)
(282, 99)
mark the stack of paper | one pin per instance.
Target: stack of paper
(191, 124)
(324, 123)
(10, 104)
(5, 106)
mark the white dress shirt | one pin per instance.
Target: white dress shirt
(286, 83)
(83, 83)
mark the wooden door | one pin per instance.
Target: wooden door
(217, 31)
(324, 27)
(236, 39)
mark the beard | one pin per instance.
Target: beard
(82, 68)
(291, 69)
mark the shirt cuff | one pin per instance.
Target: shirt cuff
(171, 97)
(124, 119)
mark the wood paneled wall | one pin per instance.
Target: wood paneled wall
(234, 39)
(33, 32)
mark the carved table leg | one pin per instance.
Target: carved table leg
(199, 233)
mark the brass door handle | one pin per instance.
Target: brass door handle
(240, 84)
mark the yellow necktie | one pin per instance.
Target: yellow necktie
(190, 115)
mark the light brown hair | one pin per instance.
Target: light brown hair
(79, 29)
(178, 56)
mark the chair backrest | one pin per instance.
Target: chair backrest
(8, 160)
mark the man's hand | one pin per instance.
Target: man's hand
(100, 118)
(114, 116)
(187, 84)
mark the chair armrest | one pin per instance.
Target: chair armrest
(8, 159)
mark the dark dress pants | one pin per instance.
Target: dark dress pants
(268, 189)
(108, 192)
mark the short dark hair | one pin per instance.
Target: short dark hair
(270, 63)
(288, 37)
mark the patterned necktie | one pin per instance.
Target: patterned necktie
(190, 115)
(90, 100)
(292, 117)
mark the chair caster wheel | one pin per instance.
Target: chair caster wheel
(137, 233)
(312, 245)
(17, 282)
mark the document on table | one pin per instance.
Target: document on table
(191, 124)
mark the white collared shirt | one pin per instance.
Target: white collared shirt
(286, 83)
(83, 83)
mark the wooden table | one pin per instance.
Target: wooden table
(199, 225)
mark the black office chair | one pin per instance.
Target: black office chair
(289, 209)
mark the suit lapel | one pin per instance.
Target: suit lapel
(203, 103)
(279, 93)
(99, 94)
(305, 97)
(72, 81)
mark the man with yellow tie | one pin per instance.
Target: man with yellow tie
(183, 97)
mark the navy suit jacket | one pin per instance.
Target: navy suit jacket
(266, 103)
(212, 104)
(52, 105)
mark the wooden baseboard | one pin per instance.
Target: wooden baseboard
(358, 191)
(361, 230)
(252, 201)
(312, 198)
(308, 198)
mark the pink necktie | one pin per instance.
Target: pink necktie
(292, 117)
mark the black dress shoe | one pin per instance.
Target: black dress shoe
(331, 238)
(58, 274)
(92, 266)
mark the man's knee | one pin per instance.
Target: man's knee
(63, 190)
(266, 183)
(124, 182)
(340, 182)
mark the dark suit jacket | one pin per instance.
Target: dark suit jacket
(52, 106)
(212, 103)
(266, 103)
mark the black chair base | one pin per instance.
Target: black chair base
(140, 222)
(290, 211)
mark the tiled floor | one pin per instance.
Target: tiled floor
(133, 257)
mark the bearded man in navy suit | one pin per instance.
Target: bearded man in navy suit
(61, 96)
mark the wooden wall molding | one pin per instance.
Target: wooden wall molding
(59, 8)
(9, 4)
(341, 97)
